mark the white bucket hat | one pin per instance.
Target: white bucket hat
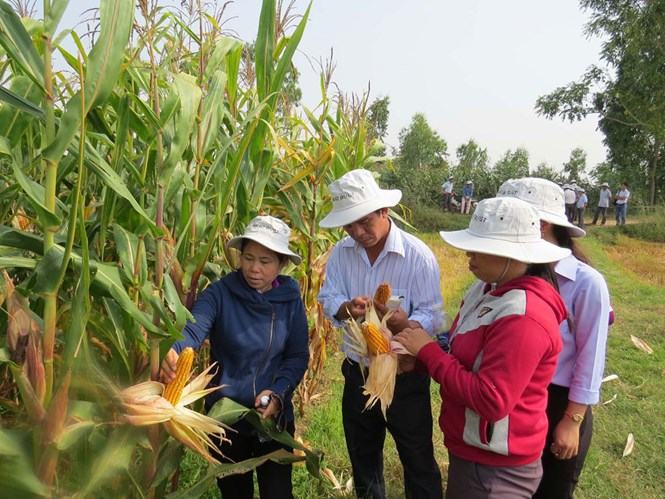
(270, 232)
(355, 195)
(506, 227)
(545, 196)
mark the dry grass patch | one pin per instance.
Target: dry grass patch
(645, 259)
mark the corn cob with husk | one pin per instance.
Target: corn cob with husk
(371, 339)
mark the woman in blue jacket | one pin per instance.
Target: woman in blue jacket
(256, 323)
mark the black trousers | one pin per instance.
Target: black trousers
(560, 476)
(601, 211)
(409, 422)
(274, 479)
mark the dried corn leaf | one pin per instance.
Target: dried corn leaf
(609, 401)
(630, 444)
(328, 473)
(641, 344)
(349, 486)
(610, 377)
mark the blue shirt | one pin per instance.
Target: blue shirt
(467, 190)
(405, 262)
(582, 201)
(582, 360)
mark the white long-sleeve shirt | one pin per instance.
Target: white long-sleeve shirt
(582, 361)
(405, 262)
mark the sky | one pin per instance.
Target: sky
(474, 68)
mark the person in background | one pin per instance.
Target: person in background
(580, 205)
(604, 197)
(378, 251)
(257, 326)
(621, 203)
(504, 344)
(570, 198)
(576, 383)
(467, 195)
(447, 190)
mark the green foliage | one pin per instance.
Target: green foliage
(575, 166)
(646, 231)
(628, 97)
(420, 146)
(377, 118)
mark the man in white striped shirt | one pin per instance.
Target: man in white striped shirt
(377, 251)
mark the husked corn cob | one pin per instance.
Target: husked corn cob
(376, 342)
(383, 293)
(182, 374)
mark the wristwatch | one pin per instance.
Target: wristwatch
(575, 416)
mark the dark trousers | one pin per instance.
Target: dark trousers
(570, 212)
(469, 480)
(580, 217)
(410, 424)
(601, 211)
(560, 476)
(274, 479)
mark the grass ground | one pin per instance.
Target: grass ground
(635, 272)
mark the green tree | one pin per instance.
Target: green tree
(575, 166)
(629, 96)
(420, 146)
(473, 164)
(377, 117)
(513, 164)
(543, 170)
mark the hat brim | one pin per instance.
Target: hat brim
(556, 219)
(236, 243)
(528, 252)
(339, 218)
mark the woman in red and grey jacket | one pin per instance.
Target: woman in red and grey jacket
(504, 344)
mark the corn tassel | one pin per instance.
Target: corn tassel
(383, 293)
(182, 375)
(377, 343)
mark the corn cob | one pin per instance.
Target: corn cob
(376, 342)
(383, 293)
(182, 374)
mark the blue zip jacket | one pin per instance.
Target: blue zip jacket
(260, 340)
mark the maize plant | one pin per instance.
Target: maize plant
(122, 175)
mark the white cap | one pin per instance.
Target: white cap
(270, 232)
(355, 195)
(545, 196)
(506, 227)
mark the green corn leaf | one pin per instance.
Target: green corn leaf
(16, 470)
(213, 110)
(113, 180)
(20, 103)
(47, 218)
(19, 47)
(56, 11)
(285, 60)
(189, 94)
(19, 239)
(101, 73)
(130, 254)
(265, 44)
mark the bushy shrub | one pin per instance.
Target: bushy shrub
(647, 231)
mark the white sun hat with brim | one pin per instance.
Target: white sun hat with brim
(604, 184)
(506, 227)
(354, 196)
(546, 196)
(270, 232)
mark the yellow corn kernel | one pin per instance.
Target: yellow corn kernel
(182, 374)
(383, 293)
(376, 342)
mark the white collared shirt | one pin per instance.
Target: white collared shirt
(582, 360)
(405, 262)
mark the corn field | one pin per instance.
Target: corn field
(122, 175)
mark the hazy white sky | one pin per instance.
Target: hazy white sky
(474, 67)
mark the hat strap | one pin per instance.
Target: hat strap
(505, 271)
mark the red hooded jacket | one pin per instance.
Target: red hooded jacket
(504, 347)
